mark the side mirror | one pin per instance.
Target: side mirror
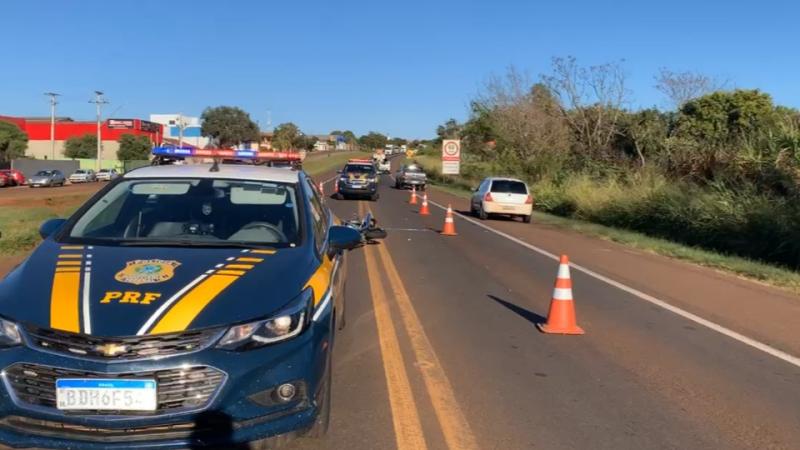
(50, 226)
(343, 238)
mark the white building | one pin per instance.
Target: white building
(191, 129)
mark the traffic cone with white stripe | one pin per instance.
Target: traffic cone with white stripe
(321, 189)
(561, 318)
(413, 200)
(423, 210)
(449, 224)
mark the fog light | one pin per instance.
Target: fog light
(286, 392)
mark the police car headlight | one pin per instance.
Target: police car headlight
(9, 334)
(284, 325)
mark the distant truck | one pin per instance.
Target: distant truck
(381, 161)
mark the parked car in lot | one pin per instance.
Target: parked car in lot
(506, 196)
(15, 177)
(47, 178)
(410, 175)
(107, 174)
(83, 176)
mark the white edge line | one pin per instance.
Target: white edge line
(167, 304)
(791, 359)
(87, 319)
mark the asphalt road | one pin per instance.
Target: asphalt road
(440, 350)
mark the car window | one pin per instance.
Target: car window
(318, 214)
(509, 187)
(197, 210)
(43, 173)
(413, 169)
(359, 169)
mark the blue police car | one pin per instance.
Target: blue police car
(182, 306)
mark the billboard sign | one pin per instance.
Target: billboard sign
(120, 124)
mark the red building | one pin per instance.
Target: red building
(38, 131)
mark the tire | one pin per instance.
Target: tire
(374, 197)
(397, 185)
(422, 188)
(482, 214)
(322, 423)
(526, 219)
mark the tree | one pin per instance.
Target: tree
(134, 148)
(643, 133)
(591, 101)
(680, 87)
(13, 141)
(449, 130)
(286, 136)
(81, 147)
(373, 140)
(305, 142)
(398, 141)
(228, 126)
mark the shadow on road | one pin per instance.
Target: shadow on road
(530, 316)
(215, 431)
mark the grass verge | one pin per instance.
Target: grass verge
(329, 161)
(743, 267)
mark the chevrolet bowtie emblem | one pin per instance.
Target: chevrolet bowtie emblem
(111, 349)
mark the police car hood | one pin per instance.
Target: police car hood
(125, 291)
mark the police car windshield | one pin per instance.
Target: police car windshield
(359, 169)
(188, 211)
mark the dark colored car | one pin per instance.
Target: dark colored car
(410, 175)
(181, 307)
(359, 178)
(15, 177)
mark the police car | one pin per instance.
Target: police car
(358, 178)
(182, 306)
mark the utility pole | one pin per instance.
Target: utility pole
(180, 130)
(99, 101)
(53, 104)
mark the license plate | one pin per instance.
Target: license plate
(508, 208)
(106, 394)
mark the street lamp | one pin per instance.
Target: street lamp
(53, 104)
(98, 101)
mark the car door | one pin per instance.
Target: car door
(477, 196)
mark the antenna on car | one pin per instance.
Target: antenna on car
(215, 166)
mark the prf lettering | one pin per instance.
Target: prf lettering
(140, 298)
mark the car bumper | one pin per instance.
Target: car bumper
(368, 189)
(241, 408)
(508, 208)
(40, 183)
(414, 182)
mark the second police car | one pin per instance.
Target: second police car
(358, 178)
(182, 306)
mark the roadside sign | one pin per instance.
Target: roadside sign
(451, 157)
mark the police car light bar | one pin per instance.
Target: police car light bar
(189, 152)
(360, 161)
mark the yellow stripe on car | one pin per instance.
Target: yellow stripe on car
(68, 263)
(263, 251)
(192, 304)
(321, 279)
(247, 259)
(64, 301)
(239, 266)
(70, 256)
(237, 273)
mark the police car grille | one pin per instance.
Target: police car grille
(128, 348)
(178, 389)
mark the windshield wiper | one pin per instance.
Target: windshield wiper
(190, 243)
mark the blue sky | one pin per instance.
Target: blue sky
(399, 67)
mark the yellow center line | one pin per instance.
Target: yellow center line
(455, 428)
(405, 416)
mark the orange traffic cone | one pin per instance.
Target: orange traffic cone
(336, 187)
(321, 189)
(423, 210)
(413, 200)
(561, 318)
(449, 224)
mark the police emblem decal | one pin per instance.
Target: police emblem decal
(145, 271)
